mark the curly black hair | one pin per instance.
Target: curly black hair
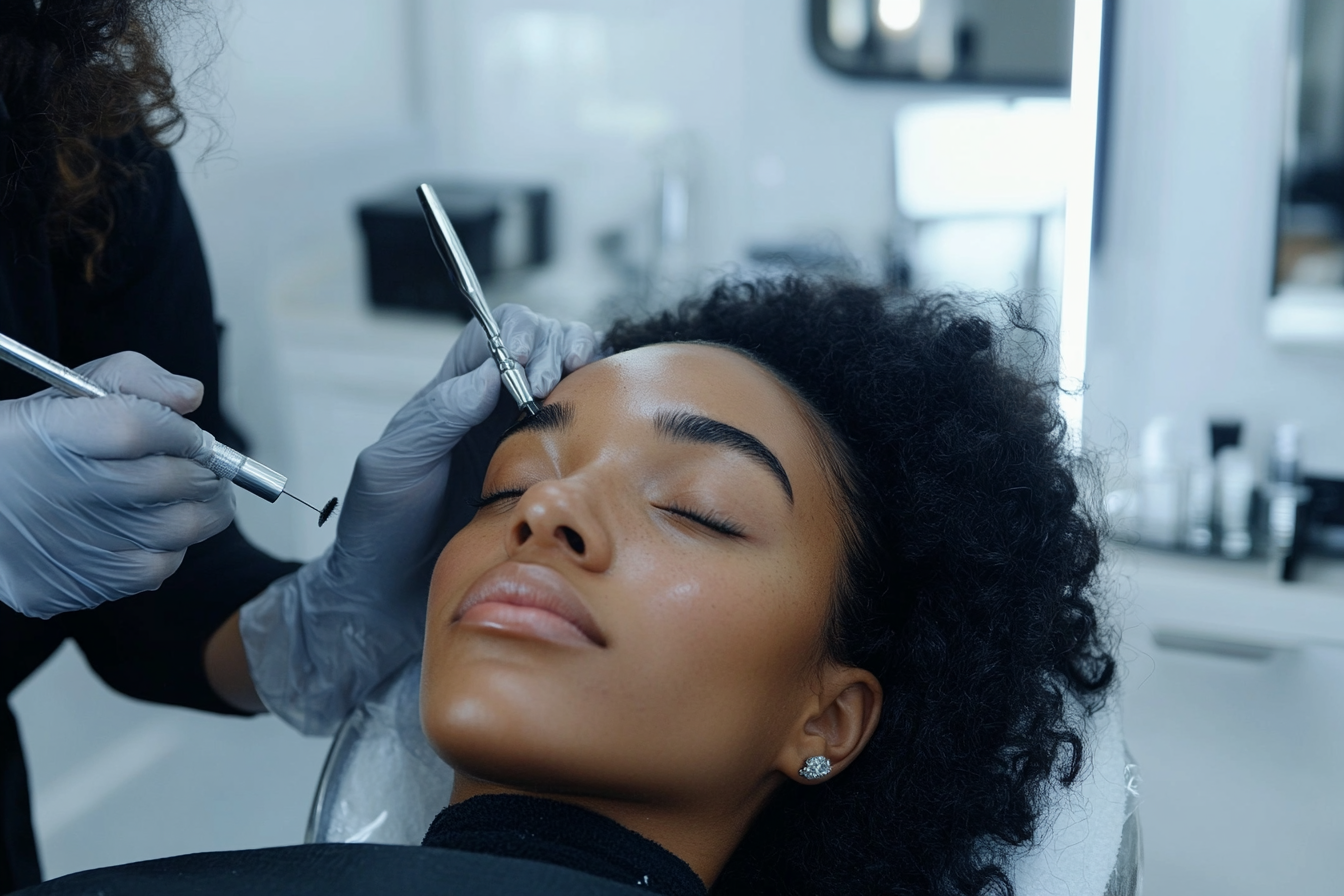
(75, 74)
(969, 590)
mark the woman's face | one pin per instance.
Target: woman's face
(637, 610)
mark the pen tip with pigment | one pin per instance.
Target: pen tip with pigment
(322, 515)
(325, 513)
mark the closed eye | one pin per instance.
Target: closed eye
(711, 521)
(495, 497)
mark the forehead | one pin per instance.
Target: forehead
(703, 379)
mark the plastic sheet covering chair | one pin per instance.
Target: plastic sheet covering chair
(382, 783)
(1127, 879)
(1088, 841)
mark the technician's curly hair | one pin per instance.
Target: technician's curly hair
(968, 589)
(75, 73)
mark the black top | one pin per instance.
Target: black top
(523, 827)
(152, 295)
(484, 846)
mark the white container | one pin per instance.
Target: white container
(1199, 491)
(1236, 484)
(1160, 492)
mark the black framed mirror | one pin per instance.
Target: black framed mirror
(1003, 43)
(1309, 256)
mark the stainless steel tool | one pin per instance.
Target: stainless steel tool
(450, 250)
(223, 461)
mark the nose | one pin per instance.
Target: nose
(558, 516)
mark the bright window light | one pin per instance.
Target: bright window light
(985, 157)
(899, 15)
(1083, 100)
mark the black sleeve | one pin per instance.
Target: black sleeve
(152, 295)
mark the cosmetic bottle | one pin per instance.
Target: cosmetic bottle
(1199, 491)
(1235, 486)
(1122, 513)
(1224, 432)
(1159, 487)
(1284, 495)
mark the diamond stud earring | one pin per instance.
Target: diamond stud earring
(815, 768)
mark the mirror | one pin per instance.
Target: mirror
(1310, 251)
(1010, 43)
(1308, 280)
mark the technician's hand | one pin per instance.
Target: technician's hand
(319, 640)
(97, 497)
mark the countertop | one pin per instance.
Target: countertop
(1227, 606)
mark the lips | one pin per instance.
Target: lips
(531, 601)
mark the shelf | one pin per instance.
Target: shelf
(1306, 317)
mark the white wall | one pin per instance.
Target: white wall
(1181, 286)
(591, 95)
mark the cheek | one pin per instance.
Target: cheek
(762, 605)
(727, 645)
(471, 552)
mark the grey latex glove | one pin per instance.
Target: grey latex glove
(319, 640)
(97, 497)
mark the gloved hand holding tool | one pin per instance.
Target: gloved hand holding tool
(318, 641)
(99, 497)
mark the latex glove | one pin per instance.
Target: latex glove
(319, 640)
(97, 497)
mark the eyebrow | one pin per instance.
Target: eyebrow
(679, 426)
(555, 417)
(686, 427)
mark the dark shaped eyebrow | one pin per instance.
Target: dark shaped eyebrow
(551, 418)
(685, 427)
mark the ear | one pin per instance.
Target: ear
(838, 723)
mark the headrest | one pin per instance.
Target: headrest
(1079, 839)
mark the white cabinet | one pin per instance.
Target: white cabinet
(1234, 700)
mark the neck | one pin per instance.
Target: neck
(702, 837)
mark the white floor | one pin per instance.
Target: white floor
(117, 780)
(1240, 761)
(1234, 711)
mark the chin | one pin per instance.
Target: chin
(523, 747)
(486, 722)
(489, 749)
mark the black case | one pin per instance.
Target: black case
(403, 267)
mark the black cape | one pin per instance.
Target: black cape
(486, 845)
(336, 869)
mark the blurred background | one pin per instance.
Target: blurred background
(602, 157)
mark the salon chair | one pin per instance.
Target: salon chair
(383, 783)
